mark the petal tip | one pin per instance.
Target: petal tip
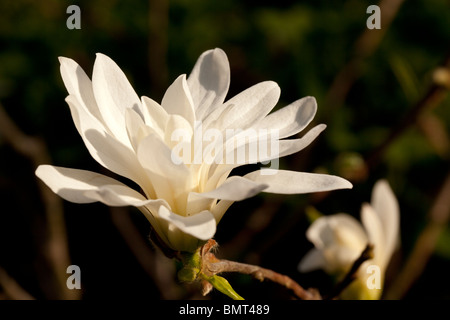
(39, 170)
(62, 59)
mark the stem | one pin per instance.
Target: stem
(261, 274)
(211, 265)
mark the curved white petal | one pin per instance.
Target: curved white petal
(209, 81)
(274, 148)
(154, 115)
(340, 228)
(177, 130)
(220, 208)
(290, 146)
(79, 85)
(118, 158)
(291, 119)
(339, 238)
(85, 121)
(385, 204)
(292, 182)
(201, 225)
(81, 186)
(312, 260)
(113, 93)
(341, 257)
(246, 108)
(235, 188)
(150, 211)
(136, 128)
(178, 100)
(215, 172)
(104, 148)
(375, 232)
(171, 178)
(197, 203)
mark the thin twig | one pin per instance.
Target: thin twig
(12, 289)
(365, 45)
(212, 265)
(433, 97)
(56, 246)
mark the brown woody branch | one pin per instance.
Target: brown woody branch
(35, 150)
(211, 265)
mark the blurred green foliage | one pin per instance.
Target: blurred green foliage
(302, 45)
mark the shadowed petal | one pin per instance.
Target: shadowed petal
(154, 115)
(201, 225)
(209, 82)
(79, 85)
(118, 158)
(312, 260)
(178, 100)
(171, 178)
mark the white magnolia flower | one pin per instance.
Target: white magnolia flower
(183, 199)
(340, 239)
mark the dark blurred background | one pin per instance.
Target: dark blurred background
(381, 93)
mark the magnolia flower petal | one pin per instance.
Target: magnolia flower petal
(246, 108)
(104, 148)
(117, 195)
(79, 85)
(170, 176)
(113, 93)
(327, 231)
(150, 211)
(209, 82)
(134, 124)
(118, 158)
(154, 115)
(85, 121)
(201, 225)
(292, 182)
(220, 208)
(235, 189)
(312, 260)
(342, 257)
(178, 100)
(178, 129)
(196, 203)
(214, 172)
(375, 232)
(243, 142)
(291, 119)
(81, 186)
(386, 206)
